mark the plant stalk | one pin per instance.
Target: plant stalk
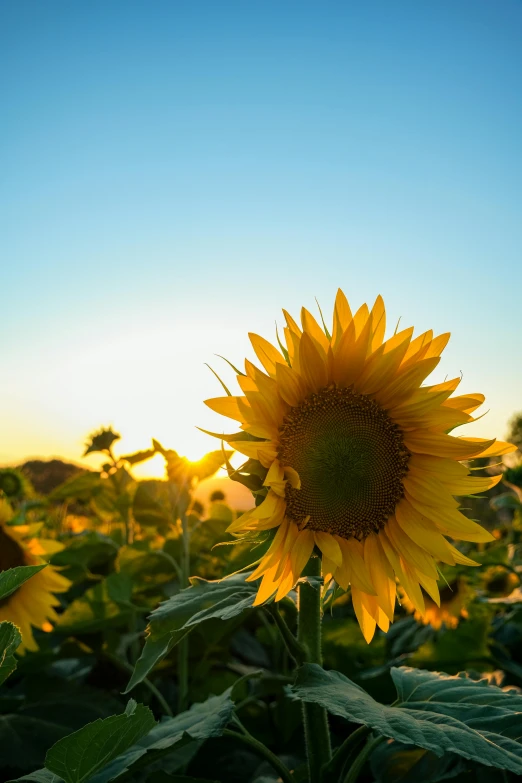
(183, 647)
(315, 718)
(295, 649)
(263, 751)
(334, 770)
(360, 760)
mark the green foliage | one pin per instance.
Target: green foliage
(436, 712)
(9, 641)
(515, 431)
(81, 755)
(105, 605)
(13, 578)
(196, 605)
(84, 486)
(140, 544)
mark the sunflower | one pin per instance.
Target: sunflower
(499, 581)
(455, 598)
(32, 605)
(359, 462)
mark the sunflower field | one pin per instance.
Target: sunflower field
(362, 621)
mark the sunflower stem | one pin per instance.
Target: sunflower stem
(254, 744)
(295, 649)
(183, 649)
(315, 718)
(341, 756)
(361, 758)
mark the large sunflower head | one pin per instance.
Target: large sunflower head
(359, 461)
(32, 605)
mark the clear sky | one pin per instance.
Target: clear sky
(173, 173)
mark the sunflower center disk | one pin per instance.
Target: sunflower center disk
(11, 553)
(351, 459)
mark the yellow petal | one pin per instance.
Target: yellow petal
(384, 363)
(427, 489)
(381, 574)
(422, 532)
(227, 406)
(378, 315)
(364, 618)
(471, 485)
(312, 364)
(329, 546)
(467, 403)
(312, 328)
(291, 324)
(262, 450)
(442, 445)
(451, 522)
(481, 448)
(431, 587)
(292, 477)
(267, 354)
(302, 551)
(353, 559)
(406, 383)
(267, 587)
(275, 478)
(342, 316)
(409, 551)
(290, 384)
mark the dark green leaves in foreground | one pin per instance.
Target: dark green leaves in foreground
(177, 617)
(9, 640)
(77, 757)
(105, 749)
(436, 712)
(13, 578)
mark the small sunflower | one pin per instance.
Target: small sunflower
(454, 597)
(14, 484)
(32, 605)
(359, 463)
(499, 581)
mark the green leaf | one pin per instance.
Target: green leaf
(24, 739)
(506, 500)
(203, 720)
(177, 617)
(40, 776)
(164, 777)
(150, 505)
(104, 605)
(10, 639)
(437, 712)
(138, 456)
(393, 762)
(11, 579)
(81, 755)
(86, 551)
(146, 568)
(83, 486)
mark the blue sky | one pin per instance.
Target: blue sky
(173, 173)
